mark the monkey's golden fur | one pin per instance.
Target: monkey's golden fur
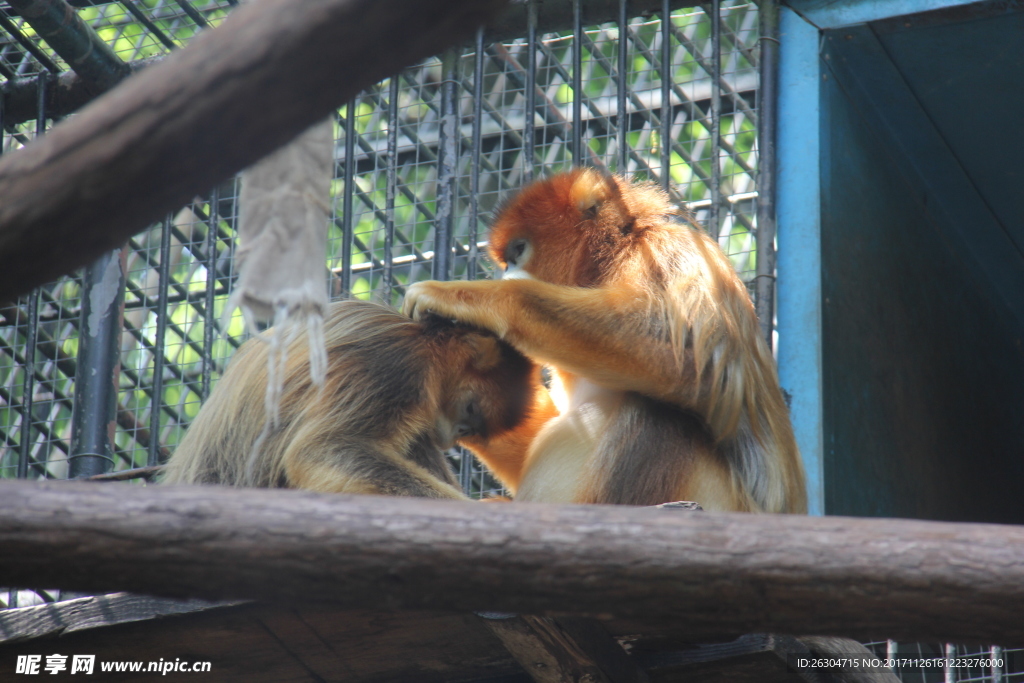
(397, 394)
(671, 393)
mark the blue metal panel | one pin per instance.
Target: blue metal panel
(931, 168)
(836, 13)
(966, 69)
(923, 369)
(799, 239)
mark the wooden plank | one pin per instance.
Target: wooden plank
(96, 611)
(260, 643)
(563, 650)
(727, 572)
(754, 658)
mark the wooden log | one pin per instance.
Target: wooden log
(234, 94)
(717, 573)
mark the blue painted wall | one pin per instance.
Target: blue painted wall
(922, 365)
(799, 243)
(901, 254)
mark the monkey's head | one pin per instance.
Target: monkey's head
(576, 228)
(490, 387)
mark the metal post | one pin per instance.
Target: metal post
(666, 94)
(3, 129)
(714, 219)
(577, 83)
(99, 366)
(996, 653)
(348, 193)
(474, 181)
(392, 184)
(530, 91)
(447, 158)
(157, 398)
(622, 115)
(766, 118)
(28, 384)
(209, 324)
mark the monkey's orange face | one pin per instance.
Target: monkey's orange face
(560, 230)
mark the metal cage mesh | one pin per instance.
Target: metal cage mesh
(396, 143)
(692, 130)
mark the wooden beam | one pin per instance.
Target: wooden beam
(97, 611)
(719, 573)
(563, 650)
(753, 658)
(258, 643)
(237, 92)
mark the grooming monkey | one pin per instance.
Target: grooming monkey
(668, 390)
(397, 394)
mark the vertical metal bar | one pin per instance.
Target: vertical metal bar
(28, 385)
(347, 196)
(211, 290)
(392, 184)
(447, 158)
(714, 220)
(164, 285)
(474, 181)
(466, 471)
(530, 91)
(93, 422)
(98, 374)
(622, 116)
(949, 673)
(666, 94)
(97, 379)
(996, 653)
(766, 119)
(577, 83)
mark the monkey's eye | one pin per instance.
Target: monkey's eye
(514, 252)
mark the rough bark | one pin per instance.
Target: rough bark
(237, 92)
(719, 573)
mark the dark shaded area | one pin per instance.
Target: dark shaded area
(922, 270)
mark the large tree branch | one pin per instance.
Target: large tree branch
(237, 92)
(714, 573)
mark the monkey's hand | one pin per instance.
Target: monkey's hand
(475, 303)
(597, 333)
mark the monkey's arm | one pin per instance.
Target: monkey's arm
(612, 337)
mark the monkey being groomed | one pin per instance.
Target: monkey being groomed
(397, 394)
